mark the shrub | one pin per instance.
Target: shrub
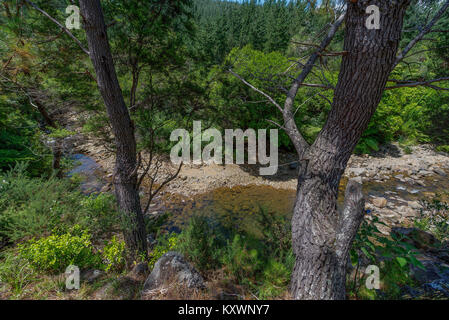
(241, 261)
(31, 206)
(56, 252)
(276, 277)
(15, 271)
(164, 245)
(99, 214)
(200, 244)
(113, 255)
(434, 218)
(443, 148)
(392, 254)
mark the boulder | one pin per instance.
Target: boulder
(139, 272)
(173, 267)
(379, 202)
(434, 274)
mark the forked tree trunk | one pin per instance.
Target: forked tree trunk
(321, 235)
(125, 175)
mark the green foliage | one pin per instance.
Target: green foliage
(444, 148)
(99, 214)
(394, 255)
(261, 264)
(434, 218)
(30, 207)
(113, 255)
(15, 271)
(276, 277)
(60, 133)
(164, 245)
(201, 243)
(55, 253)
(20, 138)
(241, 261)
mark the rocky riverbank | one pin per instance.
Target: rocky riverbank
(394, 181)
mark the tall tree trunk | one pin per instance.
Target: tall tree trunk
(125, 175)
(321, 235)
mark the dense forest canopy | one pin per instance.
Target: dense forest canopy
(206, 38)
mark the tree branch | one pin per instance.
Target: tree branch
(423, 32)
(292, 130)
(59, 25)
(406, 83)
(257, 90)
(352, 215)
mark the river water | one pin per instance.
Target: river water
(240, 206)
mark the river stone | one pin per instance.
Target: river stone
(358, 171)
(173, 267)
(440, 172)
(414, 205)
(379, 202)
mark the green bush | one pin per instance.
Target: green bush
(240, 260)
(30, 207)
(55, 253)
(260, 262)
(200, 244)
(15, 271)
(165, 244)
(443, 148)
(434, 218)
(276, 277)
(99, 214)
(20, 137)
(113, 255)
(394, 256)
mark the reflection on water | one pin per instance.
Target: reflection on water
(90, 171)
(236, 207)
(239, 206)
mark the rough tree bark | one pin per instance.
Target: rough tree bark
(321, 235)
(125, 175)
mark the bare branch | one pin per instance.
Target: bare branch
(153, 194)
(292, 130)
(257, 90)
(67, 31)
(334, 54)
(411, 83)
(306, 44)
(423, 32)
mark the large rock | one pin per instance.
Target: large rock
(433, 279)
(173, 267)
